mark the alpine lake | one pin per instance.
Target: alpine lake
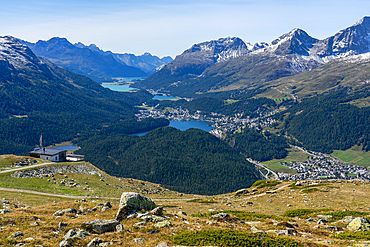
(120, 86)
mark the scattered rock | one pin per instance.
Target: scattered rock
(107, 204)
(71, 234)
(325, 217)
(65, 211)
(241, 192)
(332, 228)
(157, 211)
(4, 201)
(21, 244)
(162, 245)
(347, 219)
(140, 224)
(100, 226)
(94, 242)
(298, 184)
(17, 234)
(287, 232)
(220, 217)
(182, 213)
(64, 243)
(61, 226)
(140, 240)
(157, 218)
(119, 228)
(162, 224)
(4, 211)
(359, 224)
(131, 202)
(255, 230)
(322, 222)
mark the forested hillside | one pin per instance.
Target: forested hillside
(327, 122)
(259, 146)
(192, 161)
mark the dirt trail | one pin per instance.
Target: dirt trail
(26, 167)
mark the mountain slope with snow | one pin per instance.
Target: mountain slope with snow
(231, 64)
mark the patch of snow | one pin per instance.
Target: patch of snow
(15, 52)
(358, 58)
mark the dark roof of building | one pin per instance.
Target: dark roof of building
(48, 151)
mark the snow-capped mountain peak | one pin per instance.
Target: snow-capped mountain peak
(296, 41)
(13, 52)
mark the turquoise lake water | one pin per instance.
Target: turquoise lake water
(181, 125)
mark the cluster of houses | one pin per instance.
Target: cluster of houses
(220, 122)
(324, 168)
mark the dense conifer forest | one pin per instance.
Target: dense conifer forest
(327, 122)
(259, 146)
(191, 161)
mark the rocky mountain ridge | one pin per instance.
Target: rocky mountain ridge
(221, 65)
(146, 62)
(82, 60)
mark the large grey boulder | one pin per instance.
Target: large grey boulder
(359, 224)
(100, 226)
(131, 202)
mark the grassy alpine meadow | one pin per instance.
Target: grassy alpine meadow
(293, 155)
(256, 218)
(354, 156)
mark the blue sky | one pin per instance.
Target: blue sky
(168, 27)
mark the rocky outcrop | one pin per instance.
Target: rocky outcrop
(100, 226)
(51, 170)
(131, 202)
(359, 224)
(24, 162)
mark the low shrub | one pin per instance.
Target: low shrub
(265, 183)
(310, 190)
(231, 238)
(353, 235)
(245, 216)
(303, 212)
(338, 215)
(201, 201)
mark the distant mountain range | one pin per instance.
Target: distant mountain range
(229, 64)
(37, 97)
(93, 62)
